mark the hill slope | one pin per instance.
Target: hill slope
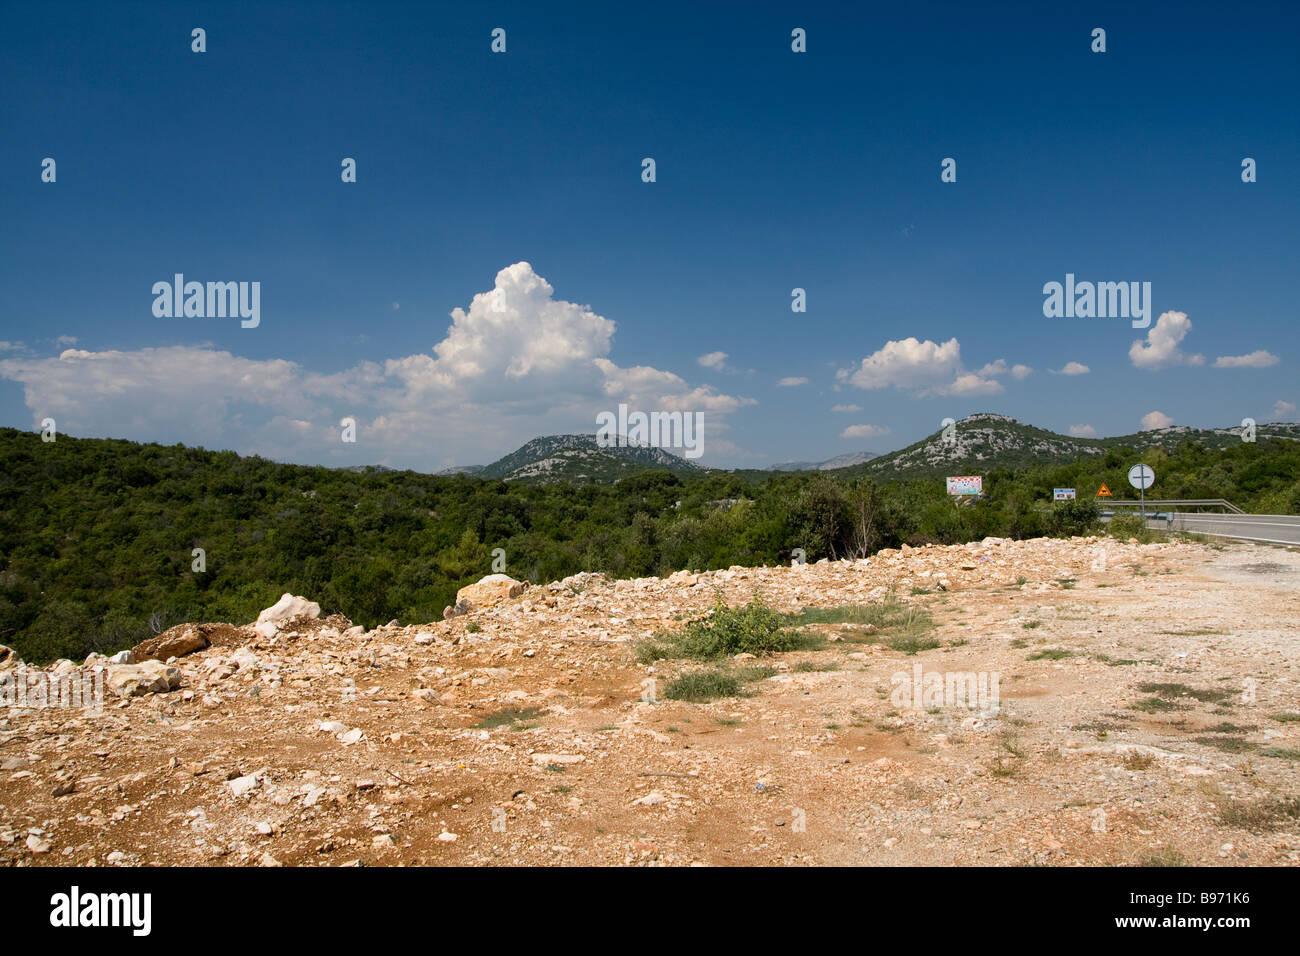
(986, 442)
(579, 459)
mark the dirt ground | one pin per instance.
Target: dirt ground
(1148, 712)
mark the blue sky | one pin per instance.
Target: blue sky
(521, 171)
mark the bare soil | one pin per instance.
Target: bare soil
(1149, 713)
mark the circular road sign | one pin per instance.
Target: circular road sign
(1141, 476)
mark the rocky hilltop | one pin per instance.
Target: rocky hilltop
(1143, 717)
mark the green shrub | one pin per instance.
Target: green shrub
(1127, 526)
(700, 686)
(1076, 517)
(753, 628)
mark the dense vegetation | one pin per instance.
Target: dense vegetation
(97, 536)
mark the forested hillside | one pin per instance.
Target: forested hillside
(97, 537)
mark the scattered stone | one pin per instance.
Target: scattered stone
(562, 759)
(174, 642)
(242, 785)
(490, 591)
(288, 608)
(150, 677)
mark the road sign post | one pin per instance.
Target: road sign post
(1142, 477)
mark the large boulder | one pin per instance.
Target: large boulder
(287, 608)
(175, 642)
(491, 590)
(9, 658)
(151, 677)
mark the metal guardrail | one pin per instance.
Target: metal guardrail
(1262, 529)
(1158, 503)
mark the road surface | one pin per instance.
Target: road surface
(1273, 529)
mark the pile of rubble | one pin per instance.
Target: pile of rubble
(521, 728)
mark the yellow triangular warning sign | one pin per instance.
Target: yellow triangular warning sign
(1104, 492)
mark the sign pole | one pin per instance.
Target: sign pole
(1139, 476)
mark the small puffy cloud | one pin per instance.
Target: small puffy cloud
(396, 306)
(1256, 359)
(927, 368)
(1282, 409)
(1161, 348)
(792, 381)
(1083, 431)
(1000, 367)
(65, 340)
(1154, 420)
(649, 388)
(714, 360)
(846, 408)
(864, 431)
(1072, 368)
(908, 363)
(971, 383)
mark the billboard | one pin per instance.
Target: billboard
(1063, 494)
(966, 485)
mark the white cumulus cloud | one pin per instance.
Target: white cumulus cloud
(1000, 367)
(972, 383)
(908, 363)
(864, 431)
(1083, 431)
(1161, 348)
(927, 368)
(714, 360)
(1072, 368)
(792, 381)
(846, 408)
(1259, 358)
(517, 363)
(1154, 420)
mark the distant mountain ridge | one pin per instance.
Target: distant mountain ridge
(986, 441)
(580, 459)
(839, 461)
(981, 442)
